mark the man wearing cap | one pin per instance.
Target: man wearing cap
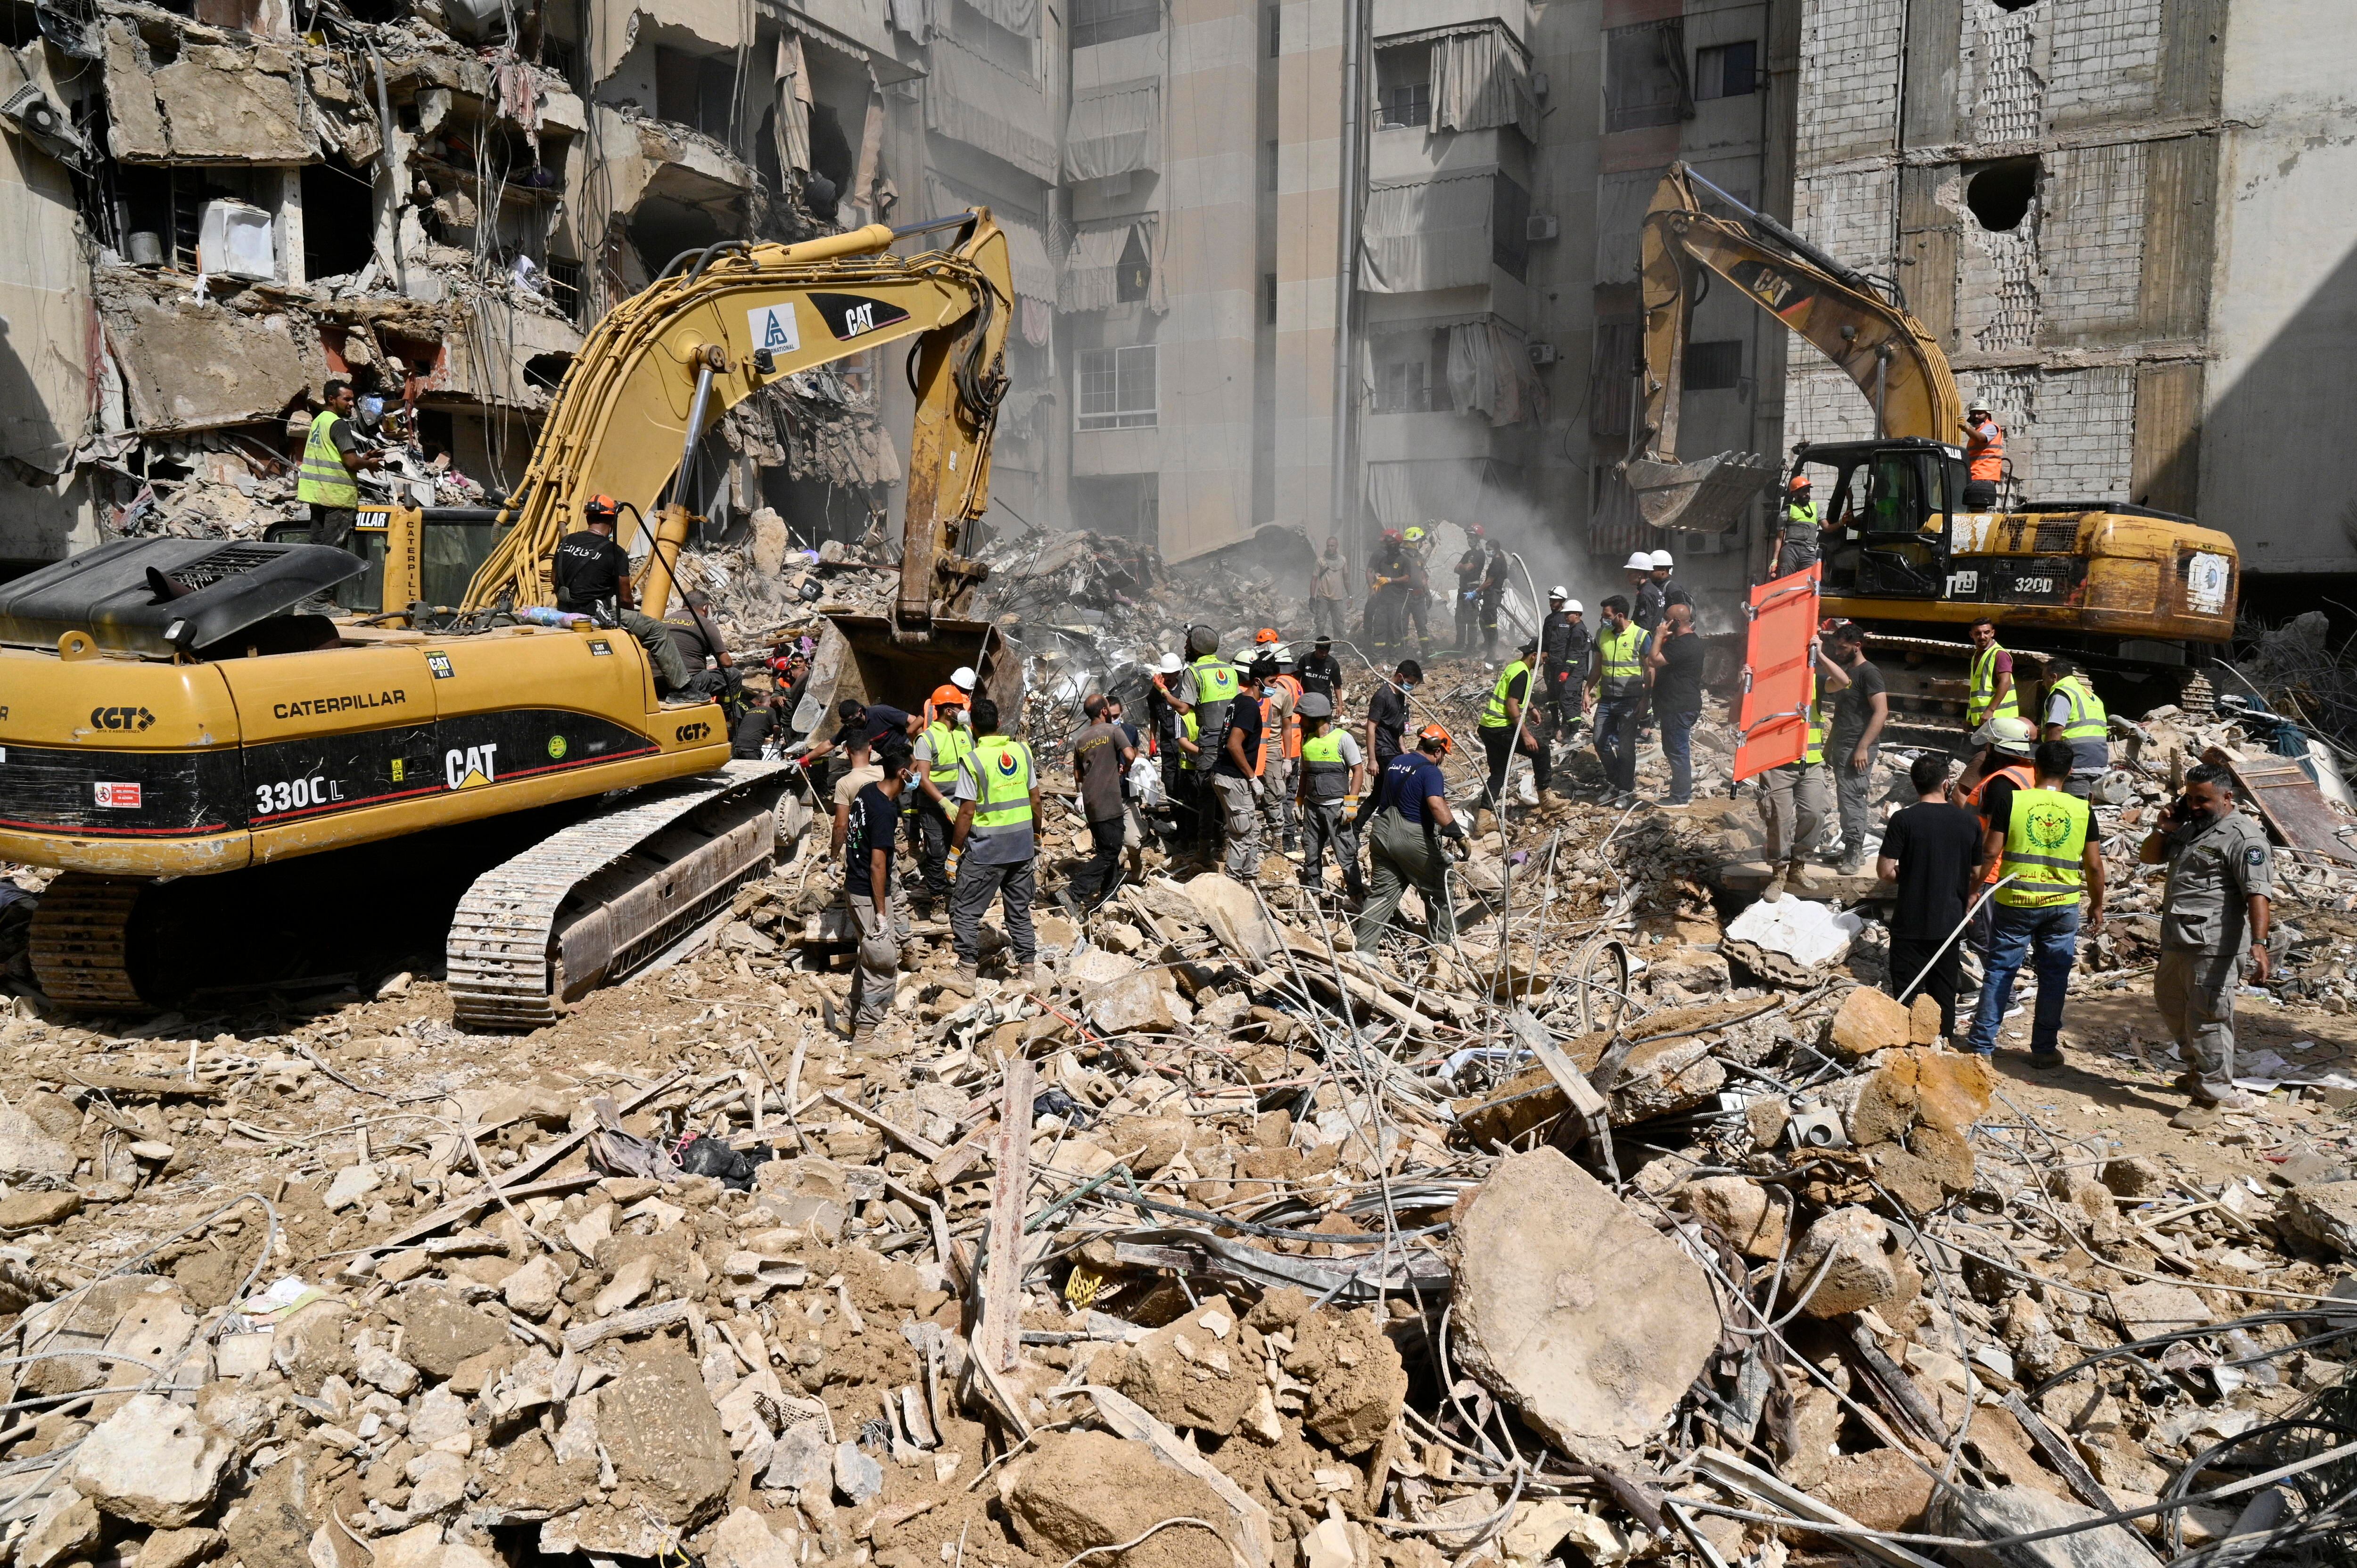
(592, 578)
(1799, 541)
(945, 744)
(1563, 650)
(1505, 730)
(1419, 587)
(1983, 458)
(1332, 770)
(1322, 673)
(1329, 591)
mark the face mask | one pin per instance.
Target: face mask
(960, 718)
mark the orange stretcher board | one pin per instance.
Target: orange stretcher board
(1771, 724)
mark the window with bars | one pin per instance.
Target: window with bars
(1404, 87)
(1713, 367)
(1727, 71)
(1117, 388)
(1103, 21)
(1645, 76)
(1412, 374)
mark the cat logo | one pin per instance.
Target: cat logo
(686, 733)
(440, 664)
(849, 316)
(470, 767)
(600, 648)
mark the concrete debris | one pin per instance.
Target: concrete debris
(1321, 1257)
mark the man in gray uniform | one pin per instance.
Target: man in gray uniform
(2216, 909)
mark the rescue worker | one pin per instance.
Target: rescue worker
(1563, 642)
(1986, 785)
(1333, 771)
(1664, 577)
(1861, 708)
(1645, 598)
(1281, 744)
(333, 457)
(2046, 846)
(872, 823)
(592, 578)
(1419, 587)
(1983, 458)
(2214, 911)
(1471, 567)
(944, 746)
(1493, 596)
(1503, 729)
(704, 650)
(1411, 818)
(1798, 542)
(1387, 712)
(1992, 691)
(1101, 757)
(1207, 687)
(1322, 673)
(1617, 688)
(996, 844)
(2074, 714)
(1795, 799)
(1386, 619)
(1178, 777)
(1235, 778)
(1329, 591)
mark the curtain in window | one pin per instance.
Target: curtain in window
(913, 18)
(1429, 235)
(791, 81)
(1021, 18)
(1091, 271)
(1114, 131)
(1480, 80)
(1391, 494)
(1490, 373)
(973, 100)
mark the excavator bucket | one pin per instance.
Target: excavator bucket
(861, 658)
(1705, 497)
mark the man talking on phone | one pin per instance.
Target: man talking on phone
(2215, 909)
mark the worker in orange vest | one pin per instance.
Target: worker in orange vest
(1280, 689)
(1983, 458)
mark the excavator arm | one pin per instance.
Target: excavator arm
(1881, 348)
(723, 323)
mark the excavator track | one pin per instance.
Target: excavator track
(591, 903)
(81, 942)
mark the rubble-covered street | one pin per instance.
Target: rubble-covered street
(1224, 1242)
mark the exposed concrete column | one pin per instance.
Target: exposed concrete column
(289, 225)
(1308, 192)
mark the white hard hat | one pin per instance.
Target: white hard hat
(1559, 593)
(963, 677)
(1575, 608)
(1640, 561)
(1662, 559)
(1170, 665)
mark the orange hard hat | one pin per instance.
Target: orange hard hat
(1802, 482)
(946, 696)
(601, 506)
(1434, 731)
(1266, 634)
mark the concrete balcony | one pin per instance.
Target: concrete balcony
(1426, 15)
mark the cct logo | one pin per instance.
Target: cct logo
(120, 718)
(686, 733)
(470, 766)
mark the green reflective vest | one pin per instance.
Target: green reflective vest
(1215, 688)
(1984, 692)
(1325, 776)
(1494, 716)
(1192, 761)
(1802, 516)
(2089, 729)
(2044, 842)
(950, 744)
(1815, 755)
(1616, 657)
(323, 479)
(1003, 769)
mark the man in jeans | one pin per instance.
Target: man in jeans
(1861, 704)
(995, 843)
(1620, 691)
(1101, 756)
(1329, 591)
(2046, 848)
(1235, 778)
(873, 824)
(1676, 659)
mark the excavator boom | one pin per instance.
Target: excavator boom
(1886, 351)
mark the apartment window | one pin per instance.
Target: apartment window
(1510, 222)
(1417, 384)
(1612, 375)
(1268, 155)
(564, 284)
(1644, 76)
(1268, 299)
(1134, 277)
(1713, 367)
(1727, 71)
(1403, 86)
(1117, 388)
(696, 90)
(1103, 21)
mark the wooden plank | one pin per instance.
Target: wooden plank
(2290, 803)
(923, 1147)
(136, 1083)
(2059, 1453)
(1000, 1336)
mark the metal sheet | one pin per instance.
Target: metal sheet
(2292, 807)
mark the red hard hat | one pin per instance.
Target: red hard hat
(1472, 530)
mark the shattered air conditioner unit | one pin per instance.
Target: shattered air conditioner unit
(235, 240)
(38, 116)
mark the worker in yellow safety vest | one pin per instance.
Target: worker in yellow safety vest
(2074, 714)
(1206, 688)
(1619, 687)
(2049, 862)
(332, 457)
(945, 744)
(1506, 726)
(996, 842)
(1993, 690)
(1795, 799)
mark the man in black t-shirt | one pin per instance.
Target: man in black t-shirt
(1322, 673)
(1929, 850)
(1676, 660)
(874, 826)
(593, 578)
(1235, 778)
(1387, 712)
(1861, 704)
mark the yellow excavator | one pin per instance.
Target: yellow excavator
(239, 792)
(2136, 593)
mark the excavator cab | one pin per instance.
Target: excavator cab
(1885, 506)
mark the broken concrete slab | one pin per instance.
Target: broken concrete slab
(1869, 1021)
(2324, 1213)
(1192, 1372)
(153, 1463)
(1087, 1489)
(2019, 1510)
(1793, 941)
(1862, 1263)
(1919, 1086)
(178, 92)
(2150, 1307)
(1747, 1213)
(1575, 1310)
(658, 1422)
(29, 1154)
